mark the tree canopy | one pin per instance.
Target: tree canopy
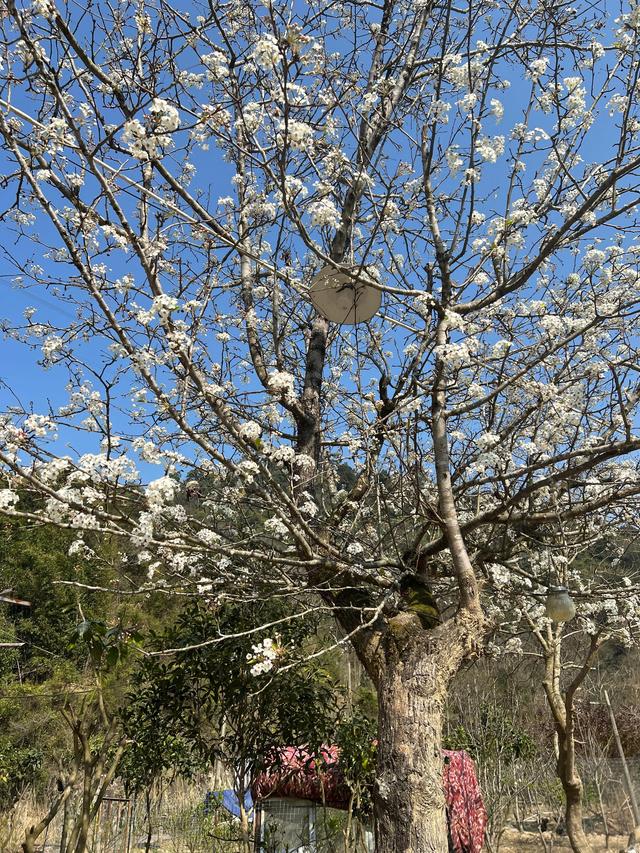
(178, 178)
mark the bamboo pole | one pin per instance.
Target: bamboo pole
(635, 835)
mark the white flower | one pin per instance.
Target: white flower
(283, 453)
(576, 94)
(324, 212)
(294, 187)
(216, 65)
(453, 356)
(39, 425)
(487, 441)
(537, 68)
(497, 109)
(297, 134)
(369, 100)
(266, 53)
(440, 112)
(164, 115)
(134, 137)
(250, 430)
(304, 461)
(354, 548)
(593, 259)
(454, 160)
(209, 537)
(513, 646)
(52, 349)
(309, 508)
(617, 104)
(145, 141)
(468, 102)
(281, 382)
(8, 499)
(161, 491)
(490, 149)
(264, 654)
(276, 527)
(79, 548)
(46, 8)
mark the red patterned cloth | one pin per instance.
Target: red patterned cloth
(466, 814)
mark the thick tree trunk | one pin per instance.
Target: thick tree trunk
(412, 686)
(409, 793)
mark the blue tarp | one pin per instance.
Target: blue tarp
(227, 799)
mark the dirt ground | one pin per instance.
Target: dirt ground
(527, 842)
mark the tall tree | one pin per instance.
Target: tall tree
(178, 177)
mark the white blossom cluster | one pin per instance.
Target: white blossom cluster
(265, 655)
(161, 491)
(8, 499)
(147, 140)
(266, 52)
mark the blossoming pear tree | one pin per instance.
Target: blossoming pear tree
(601, 569)
(175, 178)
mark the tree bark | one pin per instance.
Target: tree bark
(572, 787)
(562, 709)
(412, 692)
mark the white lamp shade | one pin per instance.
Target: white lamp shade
(342, 299)
(559, 606)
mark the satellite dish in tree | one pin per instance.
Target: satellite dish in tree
(342, 299)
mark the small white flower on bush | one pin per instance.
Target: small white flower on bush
(513, 646)
(209, 537)
(164, 115)
(45, 8)
(283, 454)
(537, 68)
(52, 349)
(40, 425)
(304, 462)
(264, 656)
(354, 549)
(309, 508)
(490, 148)
(454, 160)
(145, 141)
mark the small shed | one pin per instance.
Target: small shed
(301, 801)
(292, 796)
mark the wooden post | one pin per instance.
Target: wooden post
(635, 835)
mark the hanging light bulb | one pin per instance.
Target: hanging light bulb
(560, 607)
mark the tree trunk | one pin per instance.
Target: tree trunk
(244, 827)
(572, 786)
(412, 692)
